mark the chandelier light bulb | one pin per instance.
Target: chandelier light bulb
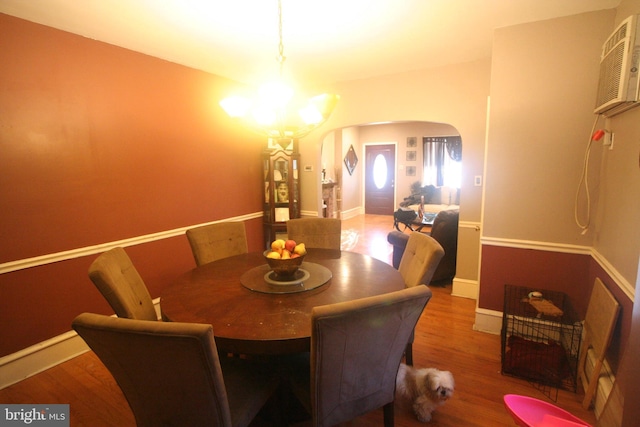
(310, 114)
(264, 115)
(278, 94)
(273, 113)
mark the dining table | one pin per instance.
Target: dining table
(253, 314)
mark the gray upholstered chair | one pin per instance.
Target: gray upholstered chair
(118, 281)
(356, 349)
(419, 261)
(324, 233)
(216, 241)
(445, 232)
(170, 373)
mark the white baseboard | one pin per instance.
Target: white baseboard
(40, 357)
(348, 214)
(351, 213)
(465, 288)
(309, 214)
(32, 360)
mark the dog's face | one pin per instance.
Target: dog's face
(440, 384)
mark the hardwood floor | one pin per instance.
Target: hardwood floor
(445, 339)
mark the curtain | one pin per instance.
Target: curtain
(442, 160)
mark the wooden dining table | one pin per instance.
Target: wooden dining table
(248, 321)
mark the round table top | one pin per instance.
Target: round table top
(250, 322)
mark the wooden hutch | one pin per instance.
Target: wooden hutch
(281, 182)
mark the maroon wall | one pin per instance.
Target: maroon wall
(98, 144)
(554, 271)
(573, 274)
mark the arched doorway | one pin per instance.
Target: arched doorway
(407, 170)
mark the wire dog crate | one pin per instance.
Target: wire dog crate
(540, 338)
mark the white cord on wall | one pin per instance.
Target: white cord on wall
(584, 177)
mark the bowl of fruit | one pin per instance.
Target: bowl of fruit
(285, 257)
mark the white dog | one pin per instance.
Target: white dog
(426, 388)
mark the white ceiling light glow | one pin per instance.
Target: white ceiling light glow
(274, 111)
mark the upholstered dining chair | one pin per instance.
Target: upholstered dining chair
(356, 349)
(216, 241)
(445, 232)
(119, 282)
(170, 372)
(324, 233)
(419, 261)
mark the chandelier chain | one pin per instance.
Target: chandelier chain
(280, 58)
(273, 114)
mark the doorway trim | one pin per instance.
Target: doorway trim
(363, 170)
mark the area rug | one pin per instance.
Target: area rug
(348, 239)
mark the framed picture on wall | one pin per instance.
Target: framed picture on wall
(412, 141)
(411, 156)
(351, 160)
(411, 171)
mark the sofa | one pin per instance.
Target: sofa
(436, 199)
(445, 232)
(433, 200)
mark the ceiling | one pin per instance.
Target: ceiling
(325, 41)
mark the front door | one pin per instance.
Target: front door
(380, 166)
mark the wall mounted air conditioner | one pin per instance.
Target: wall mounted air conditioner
(619, 84)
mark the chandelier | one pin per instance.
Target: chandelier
(274, 112)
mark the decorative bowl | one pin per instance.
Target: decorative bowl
(284, 268)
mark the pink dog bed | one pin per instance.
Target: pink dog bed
(530, 412)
